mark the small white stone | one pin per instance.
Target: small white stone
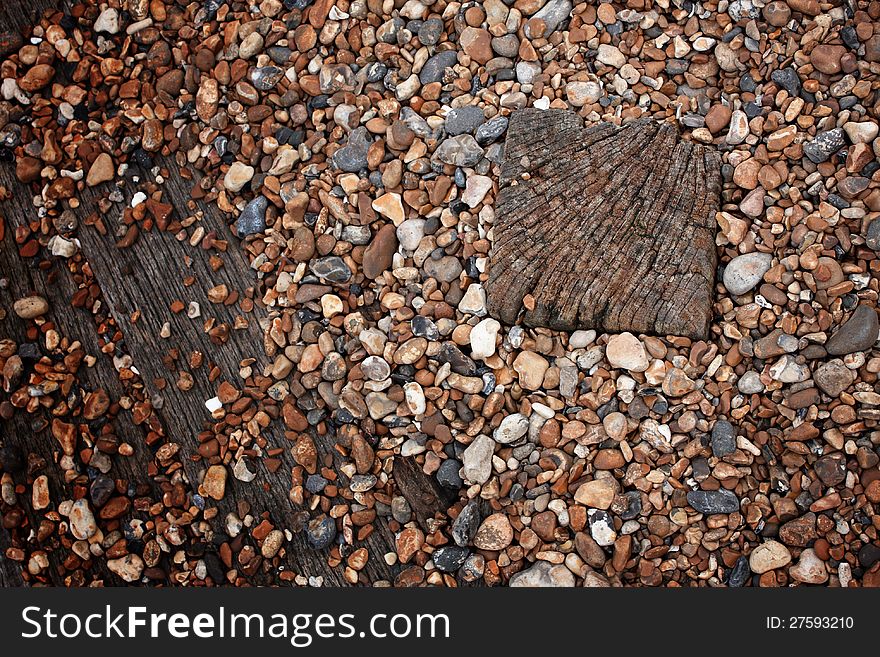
(610, 56)
(483, 337)
(415, 398)
(476, 189)
(477, 460)
(107, 21)
(512, 428)
(474, 300)
(626, 352)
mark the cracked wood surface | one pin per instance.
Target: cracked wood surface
(606, 228)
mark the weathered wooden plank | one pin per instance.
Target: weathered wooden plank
(604, 228)
(30, 433)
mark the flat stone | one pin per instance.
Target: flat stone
(770, 555)
(543, 575)
(858, 333)
(627, 352)
(744, 272)
(477, 460)
(495, 533)
(713, 501)
(834, 377)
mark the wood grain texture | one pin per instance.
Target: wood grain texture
(607, 228)
(30, 433)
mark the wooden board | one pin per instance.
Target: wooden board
(605, 228)
(30, 433)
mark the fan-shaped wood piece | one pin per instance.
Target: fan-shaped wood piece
(605, 227)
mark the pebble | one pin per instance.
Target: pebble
(824, 145)
(107, 21)
(214, 483)
(750, 384)
(436, 66)
(530, 368)
(252, 219)
(723, 439)
(543, 575)
(601, 527)
(512, 428)
(476, 189)
(809, 569)
(833, 377)
(379, 255)
(460, 151)
(389, 205)
(464, 120)
(129, 568)
(626, 352)
(102, 170)
(331, 268)
(597, 494)
(858, 333)
(238, 176)
(743, 273)
(495, 533)
(30, 307)
(770, 555)
(610, 56)
(483, 337)
(449, 558)
(477, 460)
(320, 532)
(581, 93)
(82, 521)
(713, 501)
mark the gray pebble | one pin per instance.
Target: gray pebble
(331, 268)
(713, 501)
(253, 218)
